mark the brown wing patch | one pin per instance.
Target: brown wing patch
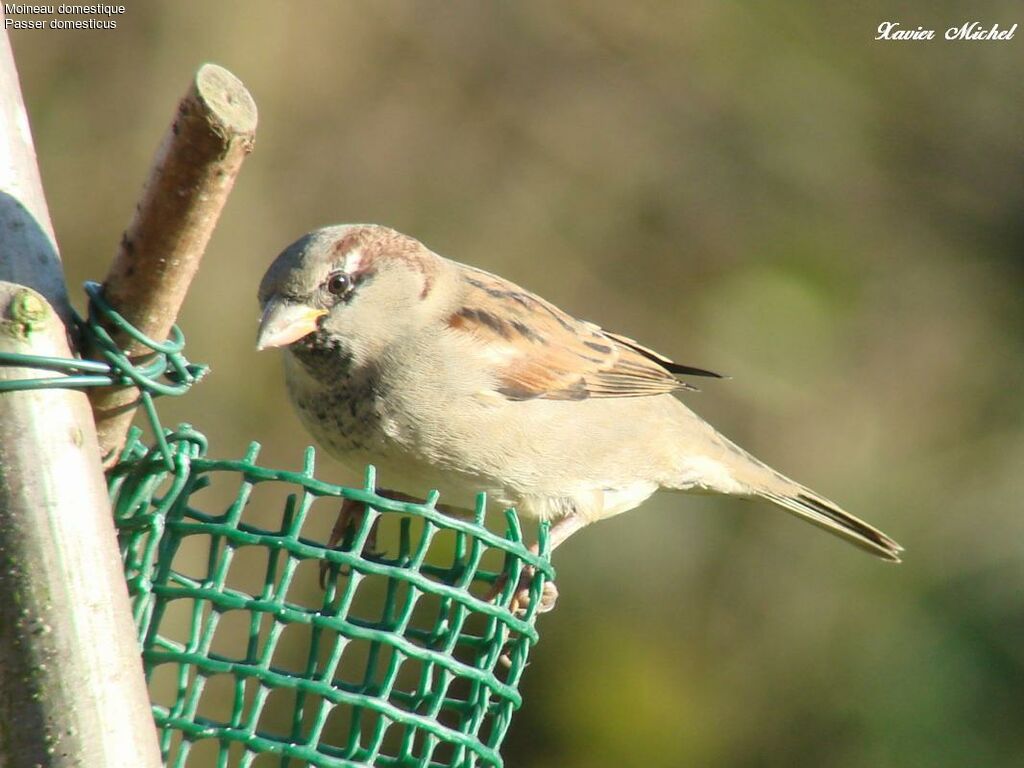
(539, 351)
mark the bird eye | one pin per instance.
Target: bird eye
(339, 283)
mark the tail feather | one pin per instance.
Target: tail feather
(715, 464)
(825, 514)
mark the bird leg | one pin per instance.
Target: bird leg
(353, 513)
(350, 517)
(557, 534)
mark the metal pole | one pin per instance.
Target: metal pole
(72, 692)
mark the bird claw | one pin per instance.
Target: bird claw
(521, 598)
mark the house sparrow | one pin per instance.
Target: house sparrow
(447, 377)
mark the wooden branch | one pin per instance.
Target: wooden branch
(72, 692)
(192, 174)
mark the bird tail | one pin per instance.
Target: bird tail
(715, 464)
(808, 505)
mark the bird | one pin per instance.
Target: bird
(449, 378)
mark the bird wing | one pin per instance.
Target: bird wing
(539, 351)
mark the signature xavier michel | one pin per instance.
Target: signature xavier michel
(975, 30)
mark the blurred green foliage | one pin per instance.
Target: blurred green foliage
(760, 189)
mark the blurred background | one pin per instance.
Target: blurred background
(836, 223)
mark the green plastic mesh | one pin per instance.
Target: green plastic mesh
(407, 657)
(438, 665)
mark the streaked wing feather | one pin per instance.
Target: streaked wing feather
(545, 353)
(669, 365)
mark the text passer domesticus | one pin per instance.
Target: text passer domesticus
(447, 377)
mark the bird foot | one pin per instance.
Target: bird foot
(548, 598)
(520, 602)
(521, 599)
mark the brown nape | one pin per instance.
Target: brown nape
(354, 239)
(377, 243)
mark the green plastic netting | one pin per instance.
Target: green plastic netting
(406, 657)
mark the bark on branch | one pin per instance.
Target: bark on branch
(192, 175)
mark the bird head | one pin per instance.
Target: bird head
(354, 288)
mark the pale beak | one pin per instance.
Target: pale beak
(284, 322)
